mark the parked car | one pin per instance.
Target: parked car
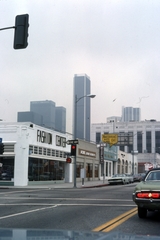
(119, 179)
(147, 193)
(130, 177)
(137, 177)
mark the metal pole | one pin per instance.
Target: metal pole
(75, 131)
(132, 163)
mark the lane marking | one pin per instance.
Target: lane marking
(31, 211)
(24, 191)
(108, 226)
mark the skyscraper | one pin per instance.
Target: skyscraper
(130, 114)
(80, 90)
(60, 121)
(47, 110)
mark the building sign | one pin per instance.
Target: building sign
(44, 137)
(110, 138)
(87, 153)
(60, 141)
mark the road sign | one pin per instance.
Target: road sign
(110, 138)
(125, 139)
(70, 142)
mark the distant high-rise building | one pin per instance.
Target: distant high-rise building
(47, 110)
(60, 121)
(82, 88)
(30, 117)
(130, 114)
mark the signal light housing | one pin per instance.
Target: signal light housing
(73, 150)
(21, 31)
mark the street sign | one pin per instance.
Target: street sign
(70, 142)
(125, 139)
(110, 138)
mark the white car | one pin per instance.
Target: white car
(119, 179)
(130, 177)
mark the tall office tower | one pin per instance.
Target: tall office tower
(82, 105)
(130, 114)
(30, 117)
(60, 121)
(47, 110)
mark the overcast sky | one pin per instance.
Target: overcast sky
(115, 42)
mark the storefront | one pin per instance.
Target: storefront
(33, 154)
(87, 159)
(109, 161)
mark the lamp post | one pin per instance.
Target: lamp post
(75, 128)
(133, 153)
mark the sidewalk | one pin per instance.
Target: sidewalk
(61, 185)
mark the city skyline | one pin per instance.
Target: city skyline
(116, 43)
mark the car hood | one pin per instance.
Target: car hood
(149, 185)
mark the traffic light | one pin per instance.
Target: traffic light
(73, 150)
(1, 148)
(21, 31)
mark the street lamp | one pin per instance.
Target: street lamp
(75, 128)
(133, 153)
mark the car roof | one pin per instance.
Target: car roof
(153, 169)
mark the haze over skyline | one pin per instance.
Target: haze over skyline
(116, 43)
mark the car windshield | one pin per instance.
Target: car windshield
(118, 175)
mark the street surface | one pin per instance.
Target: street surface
(84, 209)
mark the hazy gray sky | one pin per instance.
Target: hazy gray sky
(115, 42)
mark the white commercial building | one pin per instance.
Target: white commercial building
(36, 155)
(33, 154)
(146, 138)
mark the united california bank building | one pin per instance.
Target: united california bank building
(33, 153)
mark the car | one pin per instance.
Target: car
(147, 193)
(130, 177)
(137, 177)
(119, 179)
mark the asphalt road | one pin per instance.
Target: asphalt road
(75, 209)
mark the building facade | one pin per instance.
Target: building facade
(146, 138)
(34, 154)
(82, 104)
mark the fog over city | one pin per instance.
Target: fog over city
(116, 43)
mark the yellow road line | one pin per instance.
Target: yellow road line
(108, 226)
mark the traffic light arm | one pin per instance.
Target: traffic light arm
(7, 28)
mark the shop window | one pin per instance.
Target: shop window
(79, 166)
(6, 168)
(96, 171)
(89, 170)
(45, 170)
